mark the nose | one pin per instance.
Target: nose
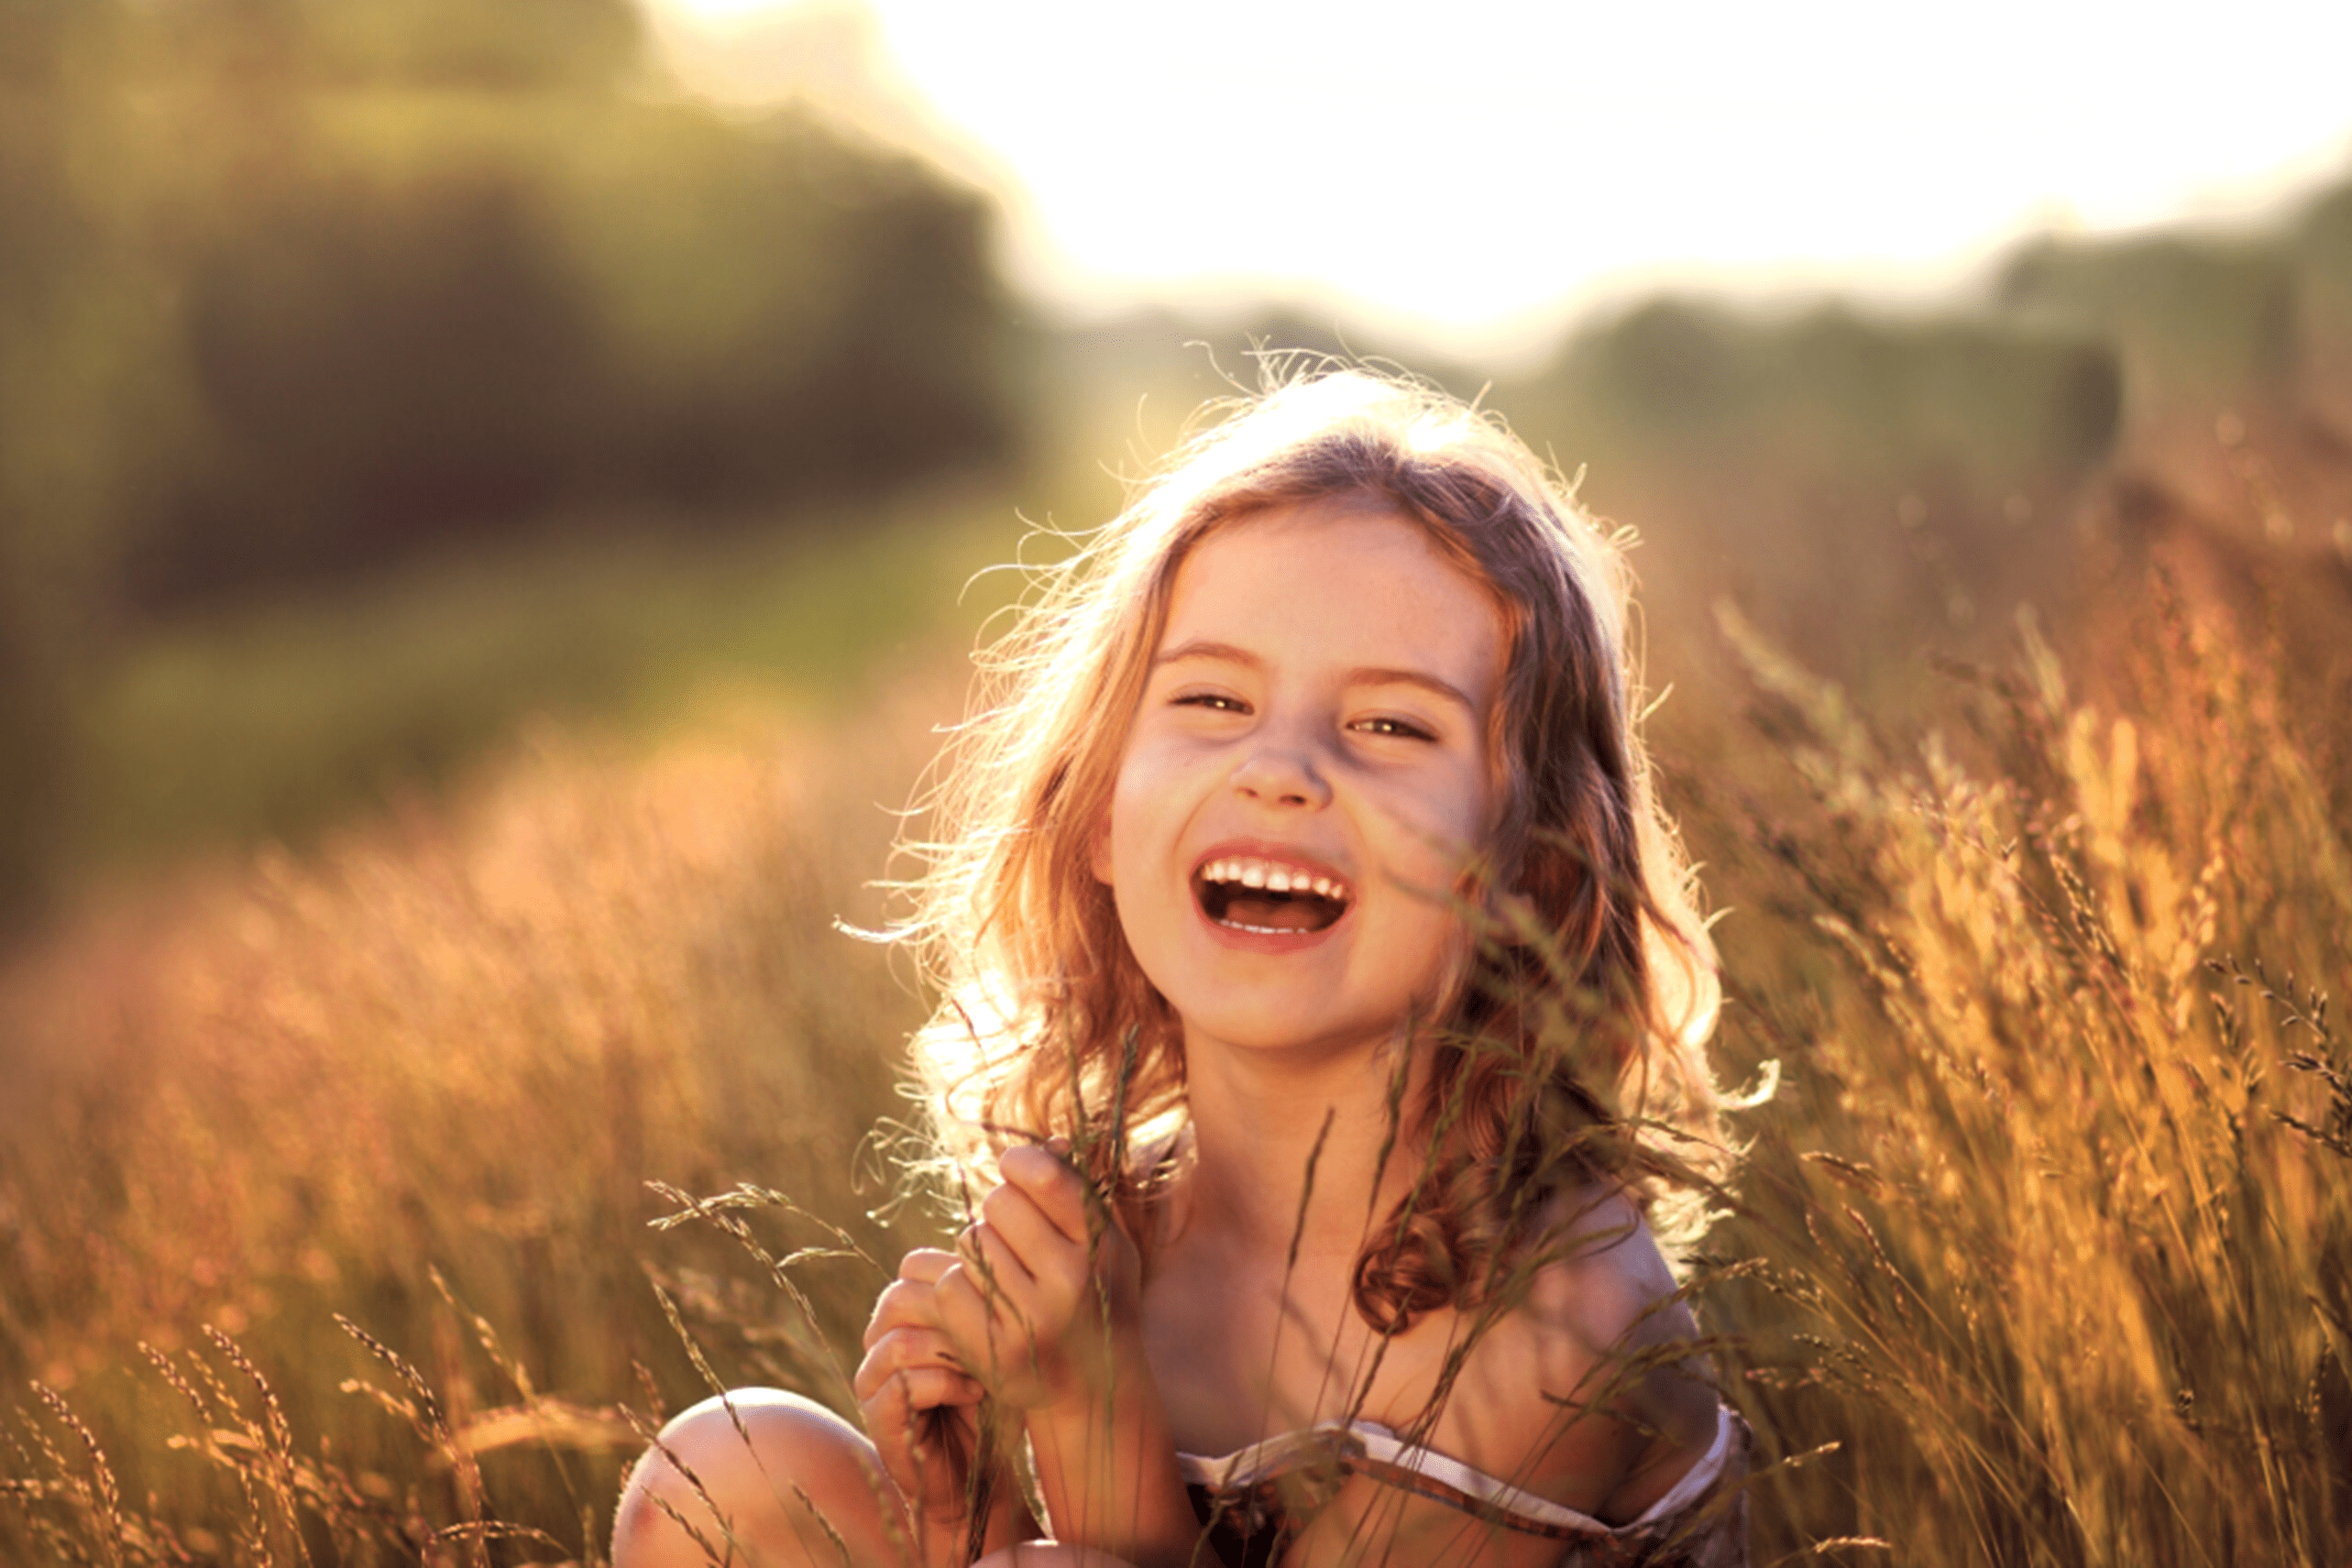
(1280, 771)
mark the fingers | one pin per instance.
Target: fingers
(990, 1262)
(904, 1303)
(987, 1307)
(911, 1391)
(905, 1349)
(988, 1273)
(925, 1265)
(1041, 1247)
(922, 1424)
(1048, 1181)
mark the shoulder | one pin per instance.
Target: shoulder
(1588, 1372)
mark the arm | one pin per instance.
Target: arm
(922, 1414)
(1045, 1301)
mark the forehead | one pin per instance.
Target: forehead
(1343, 585)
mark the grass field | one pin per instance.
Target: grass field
(275, 721)
(2042, 1253)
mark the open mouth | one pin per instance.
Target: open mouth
(1246, 894)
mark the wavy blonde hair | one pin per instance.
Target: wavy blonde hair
(1577, 1045)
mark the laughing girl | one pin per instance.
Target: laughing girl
(1323, 1021)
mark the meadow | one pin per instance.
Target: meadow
(368, 1199)
(484, 544)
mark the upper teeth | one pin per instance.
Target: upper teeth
(1273, 877)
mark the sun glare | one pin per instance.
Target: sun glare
(1253, 146)
(723, 12)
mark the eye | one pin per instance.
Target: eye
(1399, 728)
(1216, 702)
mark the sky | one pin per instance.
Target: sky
(1482, 170)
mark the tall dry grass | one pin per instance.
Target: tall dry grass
(2052, 1217)
(2042, 1254)
(419, 1080)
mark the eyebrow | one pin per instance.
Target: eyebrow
(1362, 675)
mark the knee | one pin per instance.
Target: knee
(761, 1476)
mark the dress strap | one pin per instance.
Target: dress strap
(1368, 1449)
(1700, 1477)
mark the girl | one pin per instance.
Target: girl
(1322, 1016)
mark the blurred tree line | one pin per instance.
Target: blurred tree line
(1855, 480)
(1863, 483)
(291, 290)
(1854, 483)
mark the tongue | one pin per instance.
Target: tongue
(1271, 911)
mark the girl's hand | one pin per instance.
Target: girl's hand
(921, 1410)
(1043, 1306)
(1043, 1289)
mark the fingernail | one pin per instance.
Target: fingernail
(1057, 1145)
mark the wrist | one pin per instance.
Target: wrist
(1087, 1383)
(1106, 1467)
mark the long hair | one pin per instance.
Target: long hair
(1576, 1044)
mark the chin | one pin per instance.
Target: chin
(1260, 1034)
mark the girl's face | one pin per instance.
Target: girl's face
(1306, 779)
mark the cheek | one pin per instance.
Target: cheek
(1157, 788)
(1122, 813)
(1099, 850)
(1102, 837)
(1437, 830)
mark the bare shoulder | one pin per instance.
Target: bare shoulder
(1588, 1379)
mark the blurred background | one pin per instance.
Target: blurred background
(376, 375)
(495, 499)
